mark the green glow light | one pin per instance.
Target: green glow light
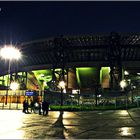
(101, 74)
(86, 77)
(43, 75)
(5, 78)
(78, 77)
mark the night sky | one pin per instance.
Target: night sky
(27, 21)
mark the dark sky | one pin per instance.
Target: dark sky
(27, 21)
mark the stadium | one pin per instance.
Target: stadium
(91, 66)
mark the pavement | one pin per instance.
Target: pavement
(118, 124)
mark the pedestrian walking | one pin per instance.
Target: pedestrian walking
(32, 106)
(45, 107)
(39, 108)
(25, 106)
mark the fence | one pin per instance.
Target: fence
(15, 100)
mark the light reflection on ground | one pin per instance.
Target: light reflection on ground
(68, 115)
(54, 114)
(123, 112)
(10, 122)
(70, 125)
(12, 135)
(126, 131)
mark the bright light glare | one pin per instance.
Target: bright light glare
(123, 84)
(127, 131)
(44, 83)
(42, 75)
(14, 86)
(10, 52)
(126, 72)
(14, 121)
(123, 112)
(36, 105)
(64, 90)
(62, 84)
(99, 95)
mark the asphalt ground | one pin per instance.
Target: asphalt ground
(118, 124)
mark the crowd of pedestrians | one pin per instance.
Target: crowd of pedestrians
(41, 107)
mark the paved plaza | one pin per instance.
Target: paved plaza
(121, 124)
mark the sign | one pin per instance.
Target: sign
(29, 93)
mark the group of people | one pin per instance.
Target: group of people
(42, 107)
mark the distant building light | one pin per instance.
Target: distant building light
(129, 80)
(123, 84)
(99, 95)
(75, 91)
(64, 90)
(126, 72)
(44, 83)
(42, 75)
(62, 84)
(72, 96)
(36, 104)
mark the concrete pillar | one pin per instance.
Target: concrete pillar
(72, 81)
(105, 77)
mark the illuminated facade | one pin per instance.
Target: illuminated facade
(88, 63)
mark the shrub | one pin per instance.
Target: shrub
(87, 107)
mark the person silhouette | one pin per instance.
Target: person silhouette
(25, 106)
(45, 107)
(32, 106)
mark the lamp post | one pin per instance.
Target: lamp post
(62, 86)
(9, 52)
(14, 86)
(123, 85)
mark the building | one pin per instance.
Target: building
(91, 64)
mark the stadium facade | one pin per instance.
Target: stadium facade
(89, 64)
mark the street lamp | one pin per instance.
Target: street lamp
(126, 72)
(123, 84)
(14, 86)
(9, 52)
(62, 86)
